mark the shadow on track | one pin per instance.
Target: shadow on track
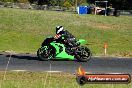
(29, 57)
(1, 54)
(62, 60)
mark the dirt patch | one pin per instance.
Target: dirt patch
(103, 27)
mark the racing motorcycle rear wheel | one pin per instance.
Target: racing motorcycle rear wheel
(83, 54)
(45, 53)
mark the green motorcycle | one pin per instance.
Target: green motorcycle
(51, 49)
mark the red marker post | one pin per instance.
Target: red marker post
(105, 48)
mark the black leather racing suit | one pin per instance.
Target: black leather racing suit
(67, 38)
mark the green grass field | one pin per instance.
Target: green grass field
(48, 80)
(24, 30)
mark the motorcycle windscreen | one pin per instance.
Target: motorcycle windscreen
(82, 41)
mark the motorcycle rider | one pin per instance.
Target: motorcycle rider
(65, 37)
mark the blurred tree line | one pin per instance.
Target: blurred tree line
(59, 2)
(118, 4)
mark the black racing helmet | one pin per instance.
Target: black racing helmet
(59, 29)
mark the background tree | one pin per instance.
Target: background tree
(32, 1)
(42, 2)
(67, 4)
(60, 2)
(118, 4)
(8, 0)
(52, 2)
(22, 1)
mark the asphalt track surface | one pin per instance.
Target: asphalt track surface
(95, 65)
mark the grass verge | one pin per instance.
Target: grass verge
(48, 80)
(23, 30)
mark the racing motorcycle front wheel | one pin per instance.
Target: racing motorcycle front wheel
(45, 53)
(83, 54)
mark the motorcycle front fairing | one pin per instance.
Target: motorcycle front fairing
(60, 51)
(59, 47)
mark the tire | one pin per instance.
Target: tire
(45, 53)
(83, 54)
